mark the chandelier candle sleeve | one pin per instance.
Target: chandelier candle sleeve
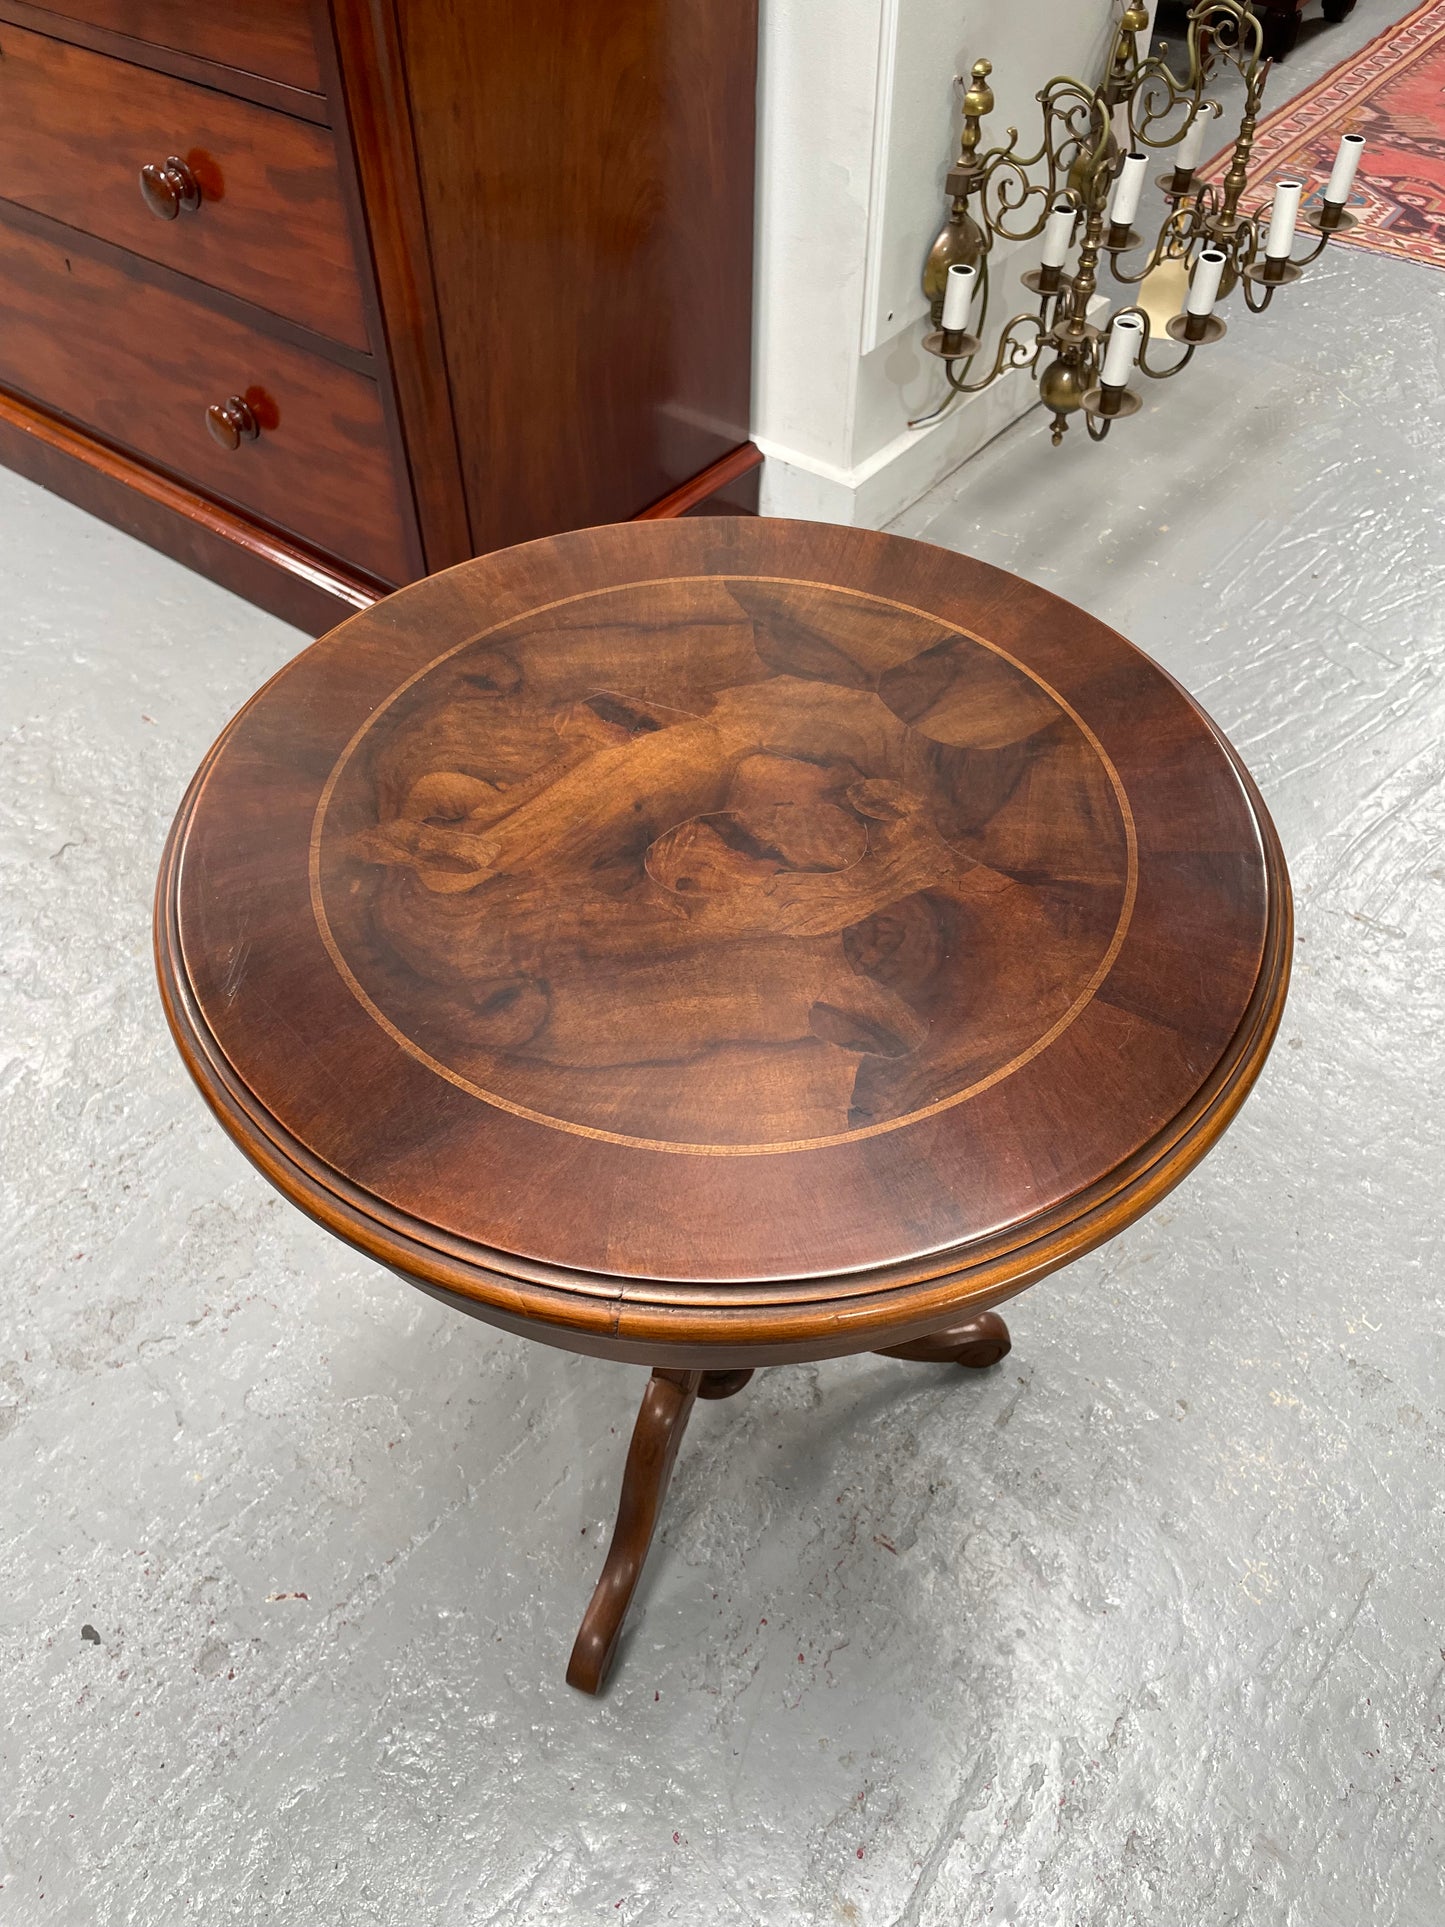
(1204, 284)
(1282, 218)
(1342, 178)
(1057, 235)
(1127, 189)
(1122, 351)
(1186, 157)
(958, 295)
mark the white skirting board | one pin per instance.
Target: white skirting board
(870, 495)
(893, 479)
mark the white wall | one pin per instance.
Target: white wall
(858, 123)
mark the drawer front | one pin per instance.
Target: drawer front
(76, 128)
(268, 37)
(142, 365)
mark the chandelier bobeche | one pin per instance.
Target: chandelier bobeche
(1082, 187)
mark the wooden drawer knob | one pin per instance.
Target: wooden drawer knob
(232, 422)
(169, 187)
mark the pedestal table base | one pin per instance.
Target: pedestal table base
(661, 1421)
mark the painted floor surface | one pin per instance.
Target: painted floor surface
(1143, 1626)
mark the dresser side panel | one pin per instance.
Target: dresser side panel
(589, 201)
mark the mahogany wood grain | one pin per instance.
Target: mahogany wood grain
(266, 568)
(77, 128)
(137, 267)
(813, 937)
(269, 37)
(365, 75)
(728, 486)
(319, 470)
(473, 176)
(588, 196)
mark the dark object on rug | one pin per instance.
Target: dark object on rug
(1280, 20)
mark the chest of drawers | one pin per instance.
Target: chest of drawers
(323, 295)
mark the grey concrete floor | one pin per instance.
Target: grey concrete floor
(1145, 1626)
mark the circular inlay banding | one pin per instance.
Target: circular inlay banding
(724, 865)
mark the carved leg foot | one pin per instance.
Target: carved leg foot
(976, 1343)
(661, 1422)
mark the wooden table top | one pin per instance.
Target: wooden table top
(723, 936)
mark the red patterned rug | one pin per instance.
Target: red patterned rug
(1392, 92)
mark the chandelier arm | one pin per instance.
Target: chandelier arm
(1007, 179)
(1078, 141)
(1132, 279)
(1004, 151)
(1142, 359)
(1002, 179)
(1163, 374)
(1220, 32)
(1096, 163)
(1018, 355)
(1154, 76)
(1257, 221)
(1245, 252)
(1244, 245)
(1315, 252)
(1192, 218)
(1059, 88)
(955, 389)
(1233, 35)
(1158, 251)
(1124, 63)
(1167, 245)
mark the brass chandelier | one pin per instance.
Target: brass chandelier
(1081, 188)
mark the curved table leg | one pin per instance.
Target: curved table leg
(661, 1422)
(978, 1342)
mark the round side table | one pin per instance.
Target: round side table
(715, 943)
